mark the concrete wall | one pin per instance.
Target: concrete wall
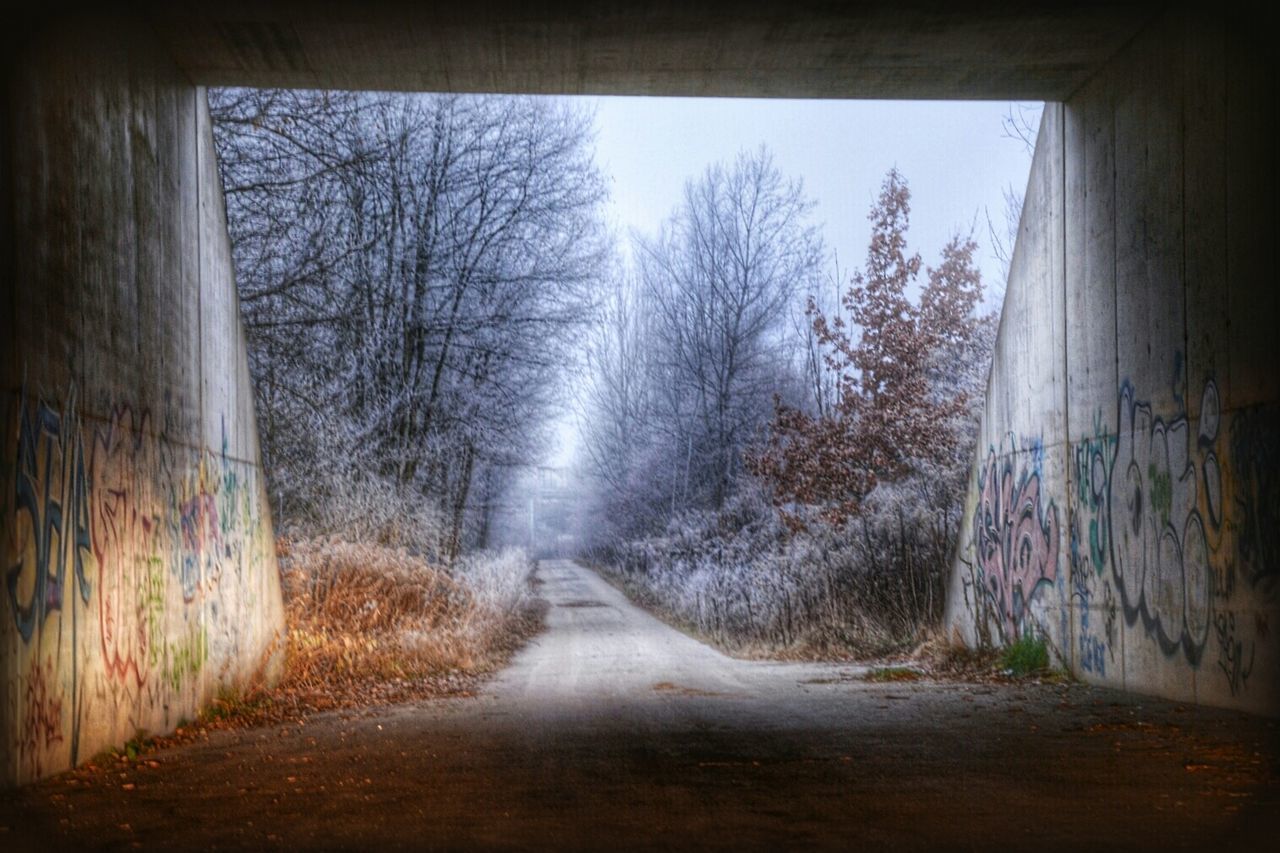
(1127, 482)
(136, 550)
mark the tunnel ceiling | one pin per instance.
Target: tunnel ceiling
(801, 48)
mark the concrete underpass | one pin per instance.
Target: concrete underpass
(1134, 389)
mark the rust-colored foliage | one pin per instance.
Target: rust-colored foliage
(888, 413)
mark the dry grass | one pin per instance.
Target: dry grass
(891, 674)
(365, 617)
(948, 657)
(371, 624)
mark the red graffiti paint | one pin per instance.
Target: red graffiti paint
(41, 726)
(126, 534)
(1016, 539)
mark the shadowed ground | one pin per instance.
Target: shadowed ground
(611, 730)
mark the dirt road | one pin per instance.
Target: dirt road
(612, 730)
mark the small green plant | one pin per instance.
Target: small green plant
(136, 745)
(1025, 656)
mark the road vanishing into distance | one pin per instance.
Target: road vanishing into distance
(613, 731)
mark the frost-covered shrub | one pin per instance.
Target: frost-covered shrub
(373, 510)
(847, 547)
(742, 578)
(496, 580)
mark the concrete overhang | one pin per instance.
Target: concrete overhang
(760, 48)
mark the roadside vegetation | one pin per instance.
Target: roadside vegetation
(374, 623)
(412, 271)
(775, 450)
(778, 456)
(1027, 655)
(754, 586)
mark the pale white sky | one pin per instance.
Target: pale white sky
(955, 156)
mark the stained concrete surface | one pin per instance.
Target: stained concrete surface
(1122, 501)
(612, 730)
(759, 48)
(135, 534)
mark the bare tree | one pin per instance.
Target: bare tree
(618, 403)
(412, 269)
(721, 277)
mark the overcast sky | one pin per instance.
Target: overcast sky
(954, 155)
(956, 158)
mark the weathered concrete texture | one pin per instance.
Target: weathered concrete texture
(139, 574)
(1125, 489)
(760, 48)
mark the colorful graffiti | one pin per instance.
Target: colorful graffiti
(50, 491)
(1015, 538)
(186, 657)
(1089, 525)
(128, 535)
(41, 727)
(1094, 457)
(1148, 528)
(1149, 525)
(116, 511)
(201, 544)
(47, 526)
(1161, 539)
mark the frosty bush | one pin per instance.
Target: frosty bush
(742, 578)
(370, 510)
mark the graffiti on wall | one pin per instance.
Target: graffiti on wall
(128, 537)
(1016, 539)
(49, 492)
(41, 727)
(1090, 545)
(115, 544)
(1255, 437)
(1165, 511)
(47, 543)
(1146, 516)
(1235, 662)
(1148, 529)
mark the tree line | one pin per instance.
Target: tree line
(423, 278)
(718, 366)
(779, 453)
